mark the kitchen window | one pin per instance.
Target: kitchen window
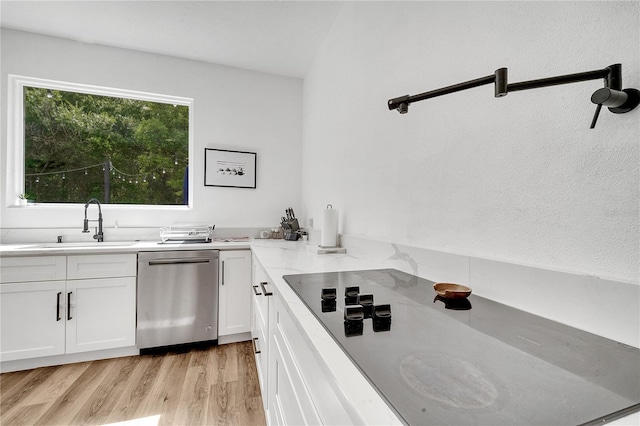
(73, 142)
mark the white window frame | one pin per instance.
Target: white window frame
(14, 181)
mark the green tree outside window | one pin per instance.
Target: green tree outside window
(118, 150)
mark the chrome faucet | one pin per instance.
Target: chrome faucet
(98, 235)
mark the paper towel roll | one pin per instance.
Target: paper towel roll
(329, 235)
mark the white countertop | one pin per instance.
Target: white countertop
(279, 257)
(44, 249)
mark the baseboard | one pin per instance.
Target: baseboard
(233, 338)
(28, 364)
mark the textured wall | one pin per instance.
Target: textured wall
(522, 178)
(233, 109)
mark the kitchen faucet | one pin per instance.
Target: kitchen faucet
(99, 235)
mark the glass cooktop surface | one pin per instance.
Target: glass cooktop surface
(469, 361)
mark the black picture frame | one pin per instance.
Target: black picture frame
(231, 169)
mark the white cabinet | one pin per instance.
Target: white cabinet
(101, 266)
(31, 269)
(297, 386)
(290, 402)
(101, 314)
(300, 388)
(74, 312)
(234, 309)
(32, 319)
(101, 302)
(261, 301)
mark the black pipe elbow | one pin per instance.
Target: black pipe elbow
(401, 104)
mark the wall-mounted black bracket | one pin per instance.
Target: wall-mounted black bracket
(612, 96)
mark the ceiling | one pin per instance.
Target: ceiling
(280, 37)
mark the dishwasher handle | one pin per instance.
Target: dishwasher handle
(178, 261)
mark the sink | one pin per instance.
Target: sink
(90, 244)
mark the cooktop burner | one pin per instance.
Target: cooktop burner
(470, 361)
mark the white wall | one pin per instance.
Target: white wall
(234, 109)
(522, 178)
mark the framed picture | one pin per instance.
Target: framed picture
(235, 169)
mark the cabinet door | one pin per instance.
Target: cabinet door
(101, 315)
(32, 317)
(289, 400)
(235, 292)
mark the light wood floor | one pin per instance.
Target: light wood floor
(213, 386)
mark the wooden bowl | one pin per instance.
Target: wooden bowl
(452, 291)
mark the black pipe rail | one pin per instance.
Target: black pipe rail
(618, 100)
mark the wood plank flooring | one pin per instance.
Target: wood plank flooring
(211, 386)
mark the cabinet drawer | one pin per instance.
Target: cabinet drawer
(101, 265)
(29, 269)
(289, 401)
(305, 372)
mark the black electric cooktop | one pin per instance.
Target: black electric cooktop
(475, 361)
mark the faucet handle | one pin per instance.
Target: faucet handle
(99, 235)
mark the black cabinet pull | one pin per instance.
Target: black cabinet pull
(58, 306)
(222, 272)
(255, 347)
(69, 305)
(264, 290)
(255, 290)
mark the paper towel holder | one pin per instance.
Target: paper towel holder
(320, 249)
(333, 235)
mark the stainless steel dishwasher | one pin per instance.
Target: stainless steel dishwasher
(177, 298)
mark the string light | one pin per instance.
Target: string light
(115, 172)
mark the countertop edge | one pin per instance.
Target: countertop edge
(31, 249)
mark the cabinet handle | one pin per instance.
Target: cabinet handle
(255, 347)
(69, 306)
(58, 306)
(255, 290)
(222, 263)
(264, 290)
